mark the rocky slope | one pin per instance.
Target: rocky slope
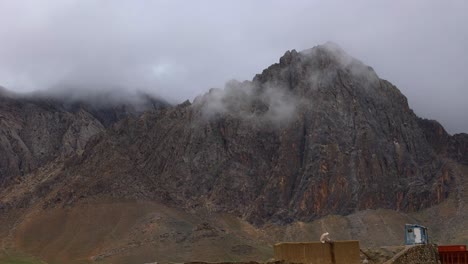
(317, 134)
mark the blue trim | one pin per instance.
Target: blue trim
(409, 234)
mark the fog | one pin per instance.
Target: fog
(273, 105)
(180, 49)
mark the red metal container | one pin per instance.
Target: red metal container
(454, 257)
(452, 248)
(453, 254)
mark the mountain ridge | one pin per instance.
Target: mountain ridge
(315, 135)
(337, 95)
(40, 129)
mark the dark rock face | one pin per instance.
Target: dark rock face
(32, 134)
(435, 134)
(458, 148)
(317, 133)
(454, 147)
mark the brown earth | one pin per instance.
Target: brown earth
(140, 232)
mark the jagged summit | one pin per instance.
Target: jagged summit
(284, 89)
(317, 68)
(329, 54)
(329, 49)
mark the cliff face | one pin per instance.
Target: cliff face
(317, 133)
(33, 134)
(458, 148)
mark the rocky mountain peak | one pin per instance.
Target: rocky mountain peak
(317, 68)
(317, 133)
(329, 51)
(296, 82)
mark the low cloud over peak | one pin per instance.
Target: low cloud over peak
(179, 50)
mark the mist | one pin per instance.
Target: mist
(179, 50)
(270, 104)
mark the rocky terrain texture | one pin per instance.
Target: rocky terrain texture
(315, 142)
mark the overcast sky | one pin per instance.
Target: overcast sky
(180, 49)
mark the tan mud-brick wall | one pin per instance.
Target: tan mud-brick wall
(340, 252)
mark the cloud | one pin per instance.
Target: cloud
(250, 101)
(180, 49)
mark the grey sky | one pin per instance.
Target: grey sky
(180, 49)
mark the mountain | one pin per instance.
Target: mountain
(317, 141)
